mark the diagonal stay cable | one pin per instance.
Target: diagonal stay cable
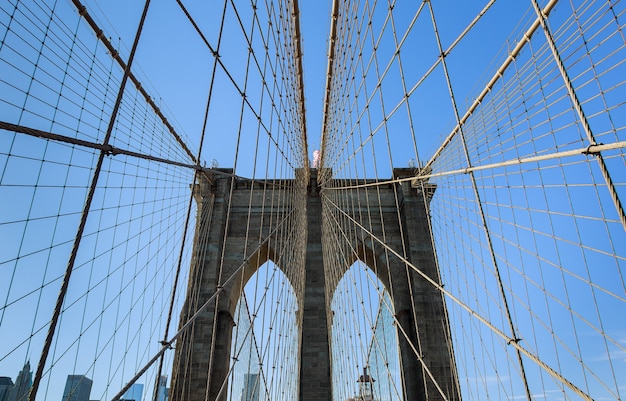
(480, 207)
(166, 345)
(82, 10)
(394, 317)
(106, 148)
(217, 56)
(510, 341)
(498, 74)
(187, 220)
(331, 60)
(589, 150)
(542, 17)
(85, 213)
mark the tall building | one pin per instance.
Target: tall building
(134, 393)
(251, 386)
(77, 388)
(24, 380)
(161, 389)
(6, 384)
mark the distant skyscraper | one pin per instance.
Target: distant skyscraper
(161, 389)
(6, 384)
(77, 388)
(20, 389)
(133, 393)
(251, 386)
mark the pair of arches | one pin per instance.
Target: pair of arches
(369, 325)
(265, 254)
(203, 358)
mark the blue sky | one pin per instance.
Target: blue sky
(553, 225)
(177, 64)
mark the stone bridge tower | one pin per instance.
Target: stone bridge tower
(227, 206)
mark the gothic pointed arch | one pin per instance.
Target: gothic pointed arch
(363, 334)
(258, 325)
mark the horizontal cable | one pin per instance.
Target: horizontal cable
(499, 73)
(166, 345)
(113, 151)
(439, 287)
(116, 56)
(588, 150)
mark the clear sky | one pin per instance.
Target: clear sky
(174, 61)
(172, 65)
(551, 217)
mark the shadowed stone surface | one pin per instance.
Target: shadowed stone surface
(401, 219)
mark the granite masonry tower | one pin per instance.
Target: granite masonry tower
(419, 306)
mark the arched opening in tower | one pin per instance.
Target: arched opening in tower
(364, 341)
(265, 343)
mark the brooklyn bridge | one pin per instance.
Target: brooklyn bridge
(349, 200)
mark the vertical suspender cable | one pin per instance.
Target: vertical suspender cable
(483, 218)
(85, 213)
(579, 111)
(187, 218)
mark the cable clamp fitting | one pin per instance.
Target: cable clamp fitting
(590, 151)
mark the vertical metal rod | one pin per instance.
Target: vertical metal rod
(85, 213)
(491, 84)
(116, 56)
(187, 218)
(581, 114)
(481, 211)
(174, 287)
(467, 308)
